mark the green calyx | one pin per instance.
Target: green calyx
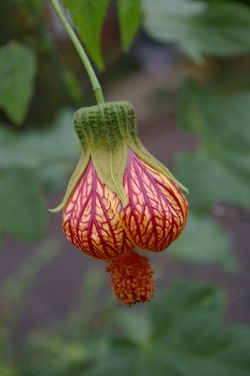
(102, 130)
(106, 131)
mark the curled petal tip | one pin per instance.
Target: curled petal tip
(185, 189)
(57, 209)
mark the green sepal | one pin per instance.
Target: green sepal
(134, 143)
(106, 131)
(80, 168)
(101, 127)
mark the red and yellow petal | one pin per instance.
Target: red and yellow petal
(89, 221)
(157, 210)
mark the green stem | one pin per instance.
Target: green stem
(92, 76)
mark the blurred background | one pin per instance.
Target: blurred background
(184, 64)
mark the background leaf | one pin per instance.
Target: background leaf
(88, 16)
(198, 27)
(17, 72)
(50, 152)
(219, 170)
(186, 338)
(204, 241)
(210, 181)
(26, 160)
(129, 12)
(22, 209)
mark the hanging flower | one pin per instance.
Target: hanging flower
(120, 198)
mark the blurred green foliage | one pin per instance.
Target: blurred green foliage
(219, 28)
(30, 162)
(17, 71)
(223, 156)
(180, 333)
(204, 241)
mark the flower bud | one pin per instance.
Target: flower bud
(120, 197)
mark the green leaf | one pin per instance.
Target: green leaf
(204, 241)
(187, 338)
(185, 299)
(192, 338)
(129, 12)
(22, 209)
(211, 181)
(199, 27)
(28, 159)
(184, 336)
(137, 327)
(219, 170)
(17, 72)
(88, 16)
(51, 151)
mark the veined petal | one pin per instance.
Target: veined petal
(89, 221)
(80, 168)
(157, 210)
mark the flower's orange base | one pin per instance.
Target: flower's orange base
(131, 278)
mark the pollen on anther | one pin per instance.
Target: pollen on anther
(131, 278)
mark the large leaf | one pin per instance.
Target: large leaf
(204, 241)
(22, 211)
(27, 160)
(179, 334)
(210, 181)
(198, 27)
(88, 16)
(51, 152)
(129, 12)
(185, 337)
(17, 72)
(219, 170)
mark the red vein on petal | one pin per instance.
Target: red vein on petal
(147, 204)
(154, 216)
(89, 221)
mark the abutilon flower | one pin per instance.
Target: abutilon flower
(120, 198)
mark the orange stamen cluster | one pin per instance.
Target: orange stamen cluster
(131, 278)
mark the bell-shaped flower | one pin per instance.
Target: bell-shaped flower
(120, 198)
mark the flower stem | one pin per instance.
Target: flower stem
(92, 76)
